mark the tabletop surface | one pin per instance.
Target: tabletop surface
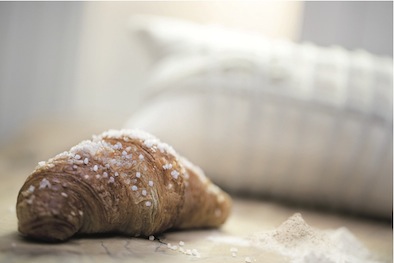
(249, 216)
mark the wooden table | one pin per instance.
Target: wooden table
(39, 142)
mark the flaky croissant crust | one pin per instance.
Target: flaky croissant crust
(122, 181)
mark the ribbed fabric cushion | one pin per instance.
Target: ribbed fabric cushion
(295, 122)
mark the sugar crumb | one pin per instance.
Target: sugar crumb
(195, 253)
(31, 188)
(175, 174)
(248, 260)
(167, 166)
(44, 184)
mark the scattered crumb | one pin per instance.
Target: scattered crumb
(181, 248)
(172, 247)
(234, 251)
(195, 253)
(248, 260)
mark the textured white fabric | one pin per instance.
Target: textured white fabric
(269, 118)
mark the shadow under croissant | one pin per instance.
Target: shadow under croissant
(114, 245)
(16, 244)
(99, 236)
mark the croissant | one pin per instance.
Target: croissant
(122, 181)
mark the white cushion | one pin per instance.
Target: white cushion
(269, 118)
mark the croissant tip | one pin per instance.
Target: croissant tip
(47, 231)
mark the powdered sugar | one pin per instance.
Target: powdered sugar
(44, 184)
(195, 169)
(302, 243)
(299, 242)
(167, 166)
(175, 174)
(88, 147)
(148, 140)
(115, 158)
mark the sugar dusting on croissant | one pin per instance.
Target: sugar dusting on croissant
(122, 181)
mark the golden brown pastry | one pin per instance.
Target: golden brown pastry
(122, 181)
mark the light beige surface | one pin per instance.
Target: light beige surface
(40, 142)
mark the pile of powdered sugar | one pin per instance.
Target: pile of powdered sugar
(300, 242)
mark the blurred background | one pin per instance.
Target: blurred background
(294, 96)
(68, 59)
